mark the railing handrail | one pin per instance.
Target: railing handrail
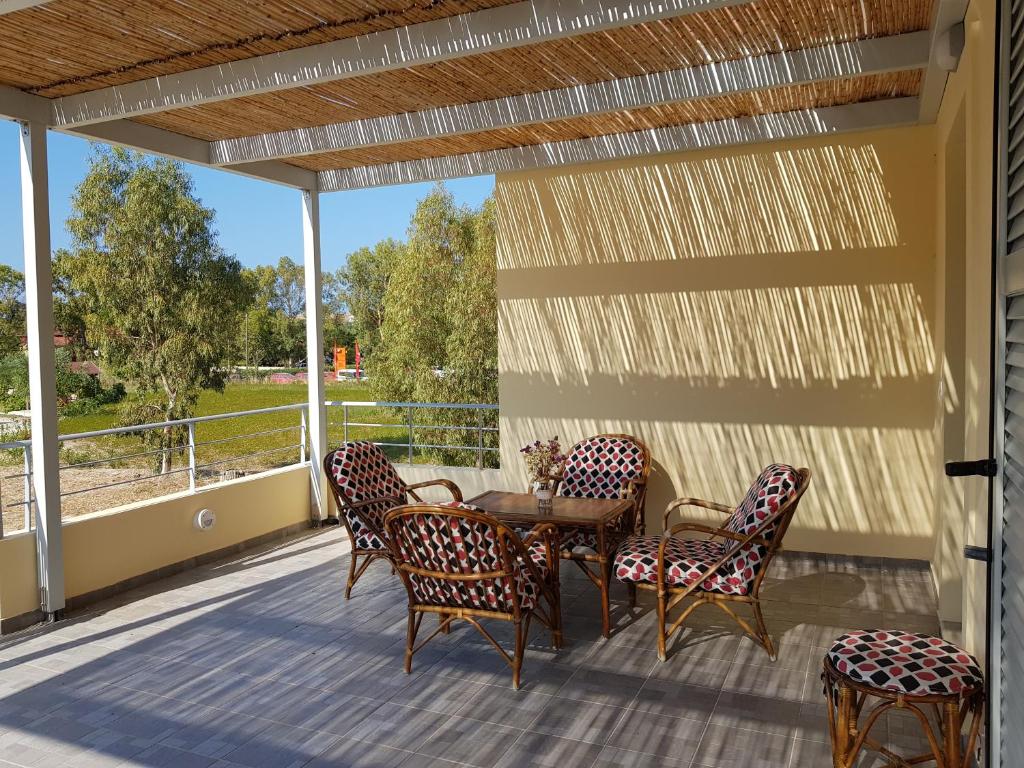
(377, 404)
(180, 422)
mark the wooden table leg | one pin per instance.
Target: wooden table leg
(603, 574)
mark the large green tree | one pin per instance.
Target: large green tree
(161, 299)
(363, 283)
(438, 335)
(12, 309)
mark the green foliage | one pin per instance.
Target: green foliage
(362, 284)
(12, 309)
(159, 297)
(14, 382)
(439, 327)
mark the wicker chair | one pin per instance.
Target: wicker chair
(365, 486)
(728, 566)
(460, 563)
(609, 466)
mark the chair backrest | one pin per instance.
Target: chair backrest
(360, 471)
(770, 502)
(602, 466)
(453, 555)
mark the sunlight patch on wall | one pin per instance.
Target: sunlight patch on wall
(828, 198)
(780, 336)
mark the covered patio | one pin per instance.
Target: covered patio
(254, 661)
(742, 231)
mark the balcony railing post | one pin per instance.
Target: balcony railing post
(26, 454)
(410, 433)
(302, 436)
(191, 455)
(480, 439)
(344, 426)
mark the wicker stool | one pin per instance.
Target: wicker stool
(901, 670)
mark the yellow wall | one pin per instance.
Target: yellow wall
(966, 119)
(110, 547)
(732, 308)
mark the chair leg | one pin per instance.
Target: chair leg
(517, 659)
(631, 590)
(951, 734)
(762, 631)
(410, 639)
(351, 576)
(442, 619)
(662, 598)
(841, 737)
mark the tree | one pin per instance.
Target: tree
(416, 323)
(161, 299)
(12, 309)
(364, 281)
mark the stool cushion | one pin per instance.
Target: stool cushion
(904, 662)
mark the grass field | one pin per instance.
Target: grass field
(126, 464)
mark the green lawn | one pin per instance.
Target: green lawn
(232, 443)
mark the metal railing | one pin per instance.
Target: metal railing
(191, 447)
(410, 425)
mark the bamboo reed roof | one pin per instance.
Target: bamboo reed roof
(70, 47)
(703, 110)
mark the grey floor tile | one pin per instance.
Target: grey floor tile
(613, 757)
(578, 720)
(161, 756)
(399, 727)
(471, 742)
(757, 713)
(281, 746)
(348, 753)
(672, 737)
(501, 705)
(539, 750)
(664, 697)
(601, 687)
(774, 682)
(724, 747)
(709, 673)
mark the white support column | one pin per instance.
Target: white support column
(317, 423)
(41, 365)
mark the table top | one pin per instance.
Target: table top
(522, 507)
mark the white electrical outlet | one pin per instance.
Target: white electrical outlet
(204, 519)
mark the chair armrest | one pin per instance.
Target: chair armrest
(538, 532)
(455, 491)
(688, 502)
(724, 533)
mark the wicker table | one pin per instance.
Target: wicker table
(520, 509)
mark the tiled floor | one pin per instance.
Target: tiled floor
(259, 662)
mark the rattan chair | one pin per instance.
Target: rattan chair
(460, 563)
(365, 486)
(725, 567)
(608, 466)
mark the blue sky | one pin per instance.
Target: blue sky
(257, 221)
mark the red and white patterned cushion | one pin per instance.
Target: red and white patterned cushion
(579, 537)
(686, 561)
(452, 544)
(601, 468)
(905, 662)
(361, 471)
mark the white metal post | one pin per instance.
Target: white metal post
(35, 207)
(191, 455)
(317, 419)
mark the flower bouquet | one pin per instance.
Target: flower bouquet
(544, 463)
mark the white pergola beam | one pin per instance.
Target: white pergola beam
(748, 130)
(42, 373)
(484, 31)
(864, 57)
(10, 6)
(316, 424)
(944, 55)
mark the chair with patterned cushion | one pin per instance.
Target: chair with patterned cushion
(460, 563)
(609, 466)
(726, 567)
(365, 486)
(869, 672)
